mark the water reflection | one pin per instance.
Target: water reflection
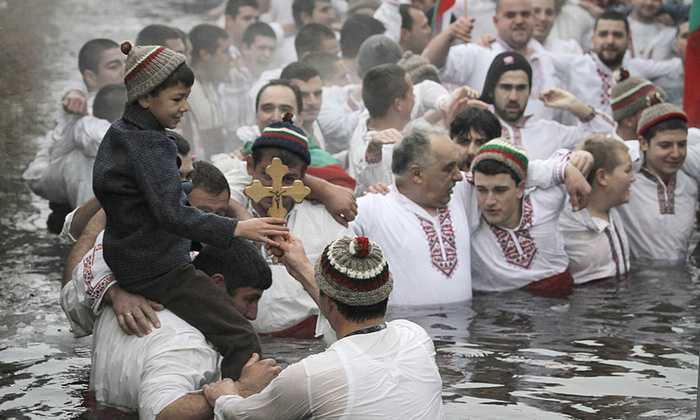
(613, 350)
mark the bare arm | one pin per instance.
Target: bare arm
(82, 216)
(339, 201)
(437, 49)
(84, 244)
(298, 265)
(190, 407)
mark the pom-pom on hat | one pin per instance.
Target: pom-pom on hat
(631, 95)
(657, 114)
(285, 135)
(506, 153)
(505, 61)
(354, 271)
(147, 67)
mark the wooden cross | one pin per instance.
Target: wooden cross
(256, 191)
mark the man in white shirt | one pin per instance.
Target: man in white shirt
(376, 369)
(415, 29)
(544, 13)
(239, 14)
(508, 88)
(595, 238)
(650, 39)
(629, 97)
(672, 83)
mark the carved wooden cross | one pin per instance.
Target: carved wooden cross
(256, 191)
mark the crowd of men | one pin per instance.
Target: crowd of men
(526, 144)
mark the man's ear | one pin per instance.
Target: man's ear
(600, 177)
(644, 143)
(416, 174)
(145, 101)
(90, 79)
(218, 279)
(250, 165)
(521, 189)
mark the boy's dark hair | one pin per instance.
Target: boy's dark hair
(91, 51)
(360, 313)
(381, 86)
(257, 29)
(299, 71)
(233, 6)
(309, 38)
(480, 120)
(281, 82)
(613, 15)
(109, 102)
(355, 30)
(205, 37)
(241, 265)
(287, 157)
(156, 35)
(494, 167)
(208, 177)
(181, 143)
(324, 63)
(666, 125)
(182, 74)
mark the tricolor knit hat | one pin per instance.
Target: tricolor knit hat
(285, 135)
(506, 153)
(147, 67)
(354, 271)
(631, 95)
(657, 114)
(505, 61)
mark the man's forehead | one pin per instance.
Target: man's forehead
(514, 6)
(278, 95)
(543, 4)
(310, 85)
(610, 25)
(513, 77)
(498, 180)
(247, 11)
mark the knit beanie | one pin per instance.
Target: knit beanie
(656, 114)
(285, 135)
(418, 68)
(355, 6)
(633, 94)
(506, 153)
(354, 271)
(505, 61)
(375, 51)
(147, 67)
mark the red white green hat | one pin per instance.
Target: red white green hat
(501, 150)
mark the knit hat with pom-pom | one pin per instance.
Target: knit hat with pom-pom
(633, 94)
(285, 135)
(147, 67)
(354, 271)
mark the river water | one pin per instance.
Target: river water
(612, 350)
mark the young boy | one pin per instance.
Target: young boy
(149, 228)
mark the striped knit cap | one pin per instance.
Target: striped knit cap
(147, 67)
(657, 114)
(632, 95)
(501, 150)
(354, 271)
(285, 135)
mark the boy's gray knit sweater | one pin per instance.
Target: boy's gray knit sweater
(149, 227)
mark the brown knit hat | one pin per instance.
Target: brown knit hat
(354, 271)
(418, 68)
(147, 67)
(633, 94)
(657, 114)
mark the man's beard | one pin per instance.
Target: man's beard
(614, 62)
(510, 116)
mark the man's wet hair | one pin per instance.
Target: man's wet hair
(355, 30)
(257, 29)
(205, 37)
(613, 15)
(91, 52)
(183, 146)
(414, 148)
(406, 18)
(182, 75)
(326, 64)
(304, 6)
(360, 313)
(281, 82)
(381, 86)
(241, 265)
(209, 178)
(494, 167)
(157, 35)
(109, 102)
(299, 71)
(233, 6)
(310, 37)
(667, 125)
(480, 120)
(606, 151)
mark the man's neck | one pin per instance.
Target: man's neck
(410, 192)
(384, 123)
(348, 327)
(664, 177)
(599, 204)
(625, 133)
(523, 50)
(200, 74)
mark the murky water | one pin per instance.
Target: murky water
(626, 350)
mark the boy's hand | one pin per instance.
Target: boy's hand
(135, 314)
(263, 229)
(75, 102)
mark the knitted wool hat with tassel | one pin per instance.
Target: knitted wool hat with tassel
(147, 67)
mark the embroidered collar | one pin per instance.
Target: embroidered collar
(665, 193)
(518, 246)
(141, 117)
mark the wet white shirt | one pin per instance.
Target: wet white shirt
(597, 248)
(388, 374)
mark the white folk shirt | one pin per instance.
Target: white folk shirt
(597, 248)
(542, 138)
(142, 374)
(574, 23)
(388, 13)
(388, 374)
(428, 255)
(467, 64)
(651, 40)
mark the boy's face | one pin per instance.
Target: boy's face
(665, 152)
(245, 300)
(169, 105)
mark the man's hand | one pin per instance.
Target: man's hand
(378, 188)
(293, 255)
(461, 98)
(263, 229)
(75, 102)
(135, 314)
(379, 139)
(461, 29)
(582, 160)
(486, 41)
(340, 203)
(561, 99)
(577, 187)
(256, 374)
(216, 389)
